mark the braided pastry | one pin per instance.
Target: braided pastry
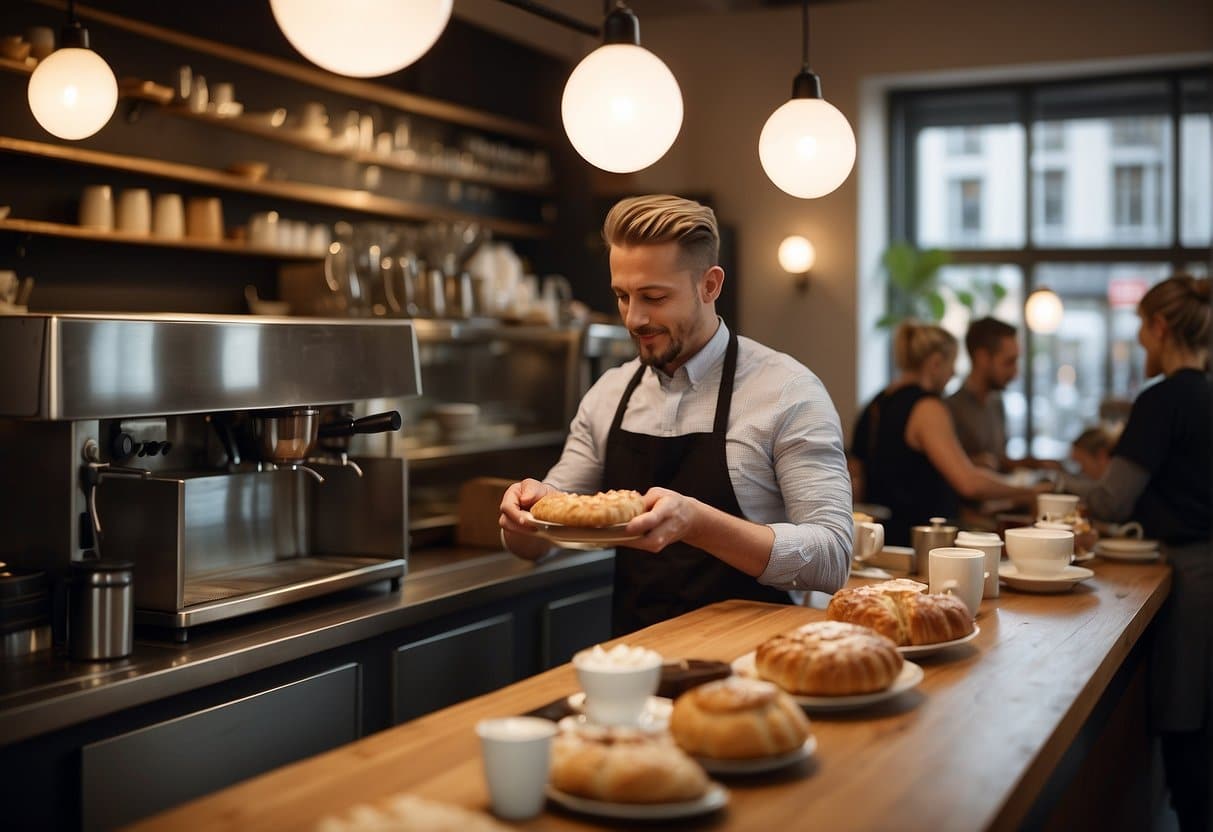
(829, 658)
(606, 508)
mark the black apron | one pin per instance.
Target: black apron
(654, 586)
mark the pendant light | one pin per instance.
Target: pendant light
(362, 38)
(807, 147)
(72, 92)
(1043, 311)
(622, 107)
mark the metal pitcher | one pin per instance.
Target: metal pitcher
(926, 538)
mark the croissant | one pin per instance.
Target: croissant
(737, 719)
(829, 658)
(898, 611)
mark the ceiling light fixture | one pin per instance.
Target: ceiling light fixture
(807, 147)
(72, 92)
(362, 38)
(622, 107)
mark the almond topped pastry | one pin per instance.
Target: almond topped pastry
(606, 508)
(899, 610)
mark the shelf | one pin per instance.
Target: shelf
(513, 443)
(76, 232)
(361, 201)
(292, 137)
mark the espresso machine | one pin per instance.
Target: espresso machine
(219, 454)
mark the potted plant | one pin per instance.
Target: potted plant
(917, 292)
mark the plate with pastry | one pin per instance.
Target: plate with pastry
(741, 726)
(902, 611)
(1064, 581)
(628, 774)
(831, 666)
(600, 518)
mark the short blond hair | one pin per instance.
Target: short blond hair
(662, 218)
(914, 343)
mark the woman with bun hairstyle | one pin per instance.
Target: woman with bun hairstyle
(1159, 475)
(910, 458)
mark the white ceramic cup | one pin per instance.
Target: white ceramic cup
(133, 214)
(223, 94)
(868, 540)
(263, 229)
(1131, 529)
(1041, 553)
(959, 571)
(204, 218)
(617, 695)
(1055, 506)
(990, 544)
(97, 207)
(313, 115)
(168, 216)
(516, 752)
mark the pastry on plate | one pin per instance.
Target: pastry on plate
(829, 658)
(738, 719)
(620, 765)
(606, 508)
(409, 812)
(901, 611)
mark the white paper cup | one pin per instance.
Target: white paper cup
(958, 571)
(1055, 506)
(516, 752)
(991, 545)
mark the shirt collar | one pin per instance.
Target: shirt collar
(709, 357)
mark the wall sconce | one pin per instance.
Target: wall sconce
(362, 38)
(72, 92)
(622, 107)
(1043, 311)
(807, 146)
(796, 257)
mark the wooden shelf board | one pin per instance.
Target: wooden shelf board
(361, 201)
(76, 232)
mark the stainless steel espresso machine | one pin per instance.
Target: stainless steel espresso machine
(218, 453)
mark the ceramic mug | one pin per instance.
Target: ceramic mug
(959, 571)
(868, 540)
(168, 217)
(991, 545)
(134, 211)
(97, 207)
(204, 218)
(1131, 529)
(1055, 507)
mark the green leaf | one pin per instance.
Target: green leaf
(937, 305)
(998, 291)
(888, 321)
(965, 297)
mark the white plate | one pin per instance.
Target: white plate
(561, 534)
(921, 650)
(1064, 582)
(716, 797)
(656, 714)
(1127, 548)
(759, 764)
(1083, 558)
(911, 674)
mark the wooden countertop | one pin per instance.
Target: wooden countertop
(969, 749)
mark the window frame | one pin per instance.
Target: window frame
(903, 190)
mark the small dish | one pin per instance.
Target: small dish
(656, 710)
(1066, 580)
(911, 674)
(757, 765)
(923, 650)
(1129, 546)
(716, 797)
(562, 535)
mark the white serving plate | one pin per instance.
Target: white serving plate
(716, 797)
(911, 674)
(757, 765)
(1066, 580)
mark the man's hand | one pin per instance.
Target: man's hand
(668, 518)
(518, 498)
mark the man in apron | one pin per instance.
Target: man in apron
(736, 447)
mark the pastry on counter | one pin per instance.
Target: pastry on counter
(606, 508)
(900, 611)
(406, 811)
(738, 719)
(829, 658)
(622, 765)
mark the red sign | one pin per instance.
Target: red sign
(1126, 291)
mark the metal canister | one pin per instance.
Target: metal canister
(926, 538)
(101, 610)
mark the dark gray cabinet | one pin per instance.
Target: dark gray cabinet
(136, 774)
(574, 623)
(449, 667)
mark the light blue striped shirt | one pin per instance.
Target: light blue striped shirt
(783, 444)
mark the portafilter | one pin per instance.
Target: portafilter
(286, 437)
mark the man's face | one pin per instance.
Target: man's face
(1002, 365)
(666, 307)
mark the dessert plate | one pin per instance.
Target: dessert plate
(561, 534)
(656, 714)
(1062, 582)
(911, 674)
(759, 764)
(922, 650)
(716, 797)
(1127, 548)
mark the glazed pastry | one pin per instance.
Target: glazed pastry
(900, 611)
(606, 508)
(738, 719)
(829, 658)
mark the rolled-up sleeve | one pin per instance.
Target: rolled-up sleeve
(812, 550)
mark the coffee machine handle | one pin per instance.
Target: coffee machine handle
(375, 423)
(94, 473)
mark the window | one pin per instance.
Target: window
(1099, 207)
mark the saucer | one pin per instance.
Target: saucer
(716, 797)
(1064, 581)
(655, 716)
(1127, 548)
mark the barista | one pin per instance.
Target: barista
(737, 448)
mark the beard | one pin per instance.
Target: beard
(653, 356)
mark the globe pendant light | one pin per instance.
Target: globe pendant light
(72, 92)
(1043, 311)
(807, 147)
(362, 38)
(622, 107)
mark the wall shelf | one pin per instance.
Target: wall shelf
(539, 439)
(76, 232)
(363, 202)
